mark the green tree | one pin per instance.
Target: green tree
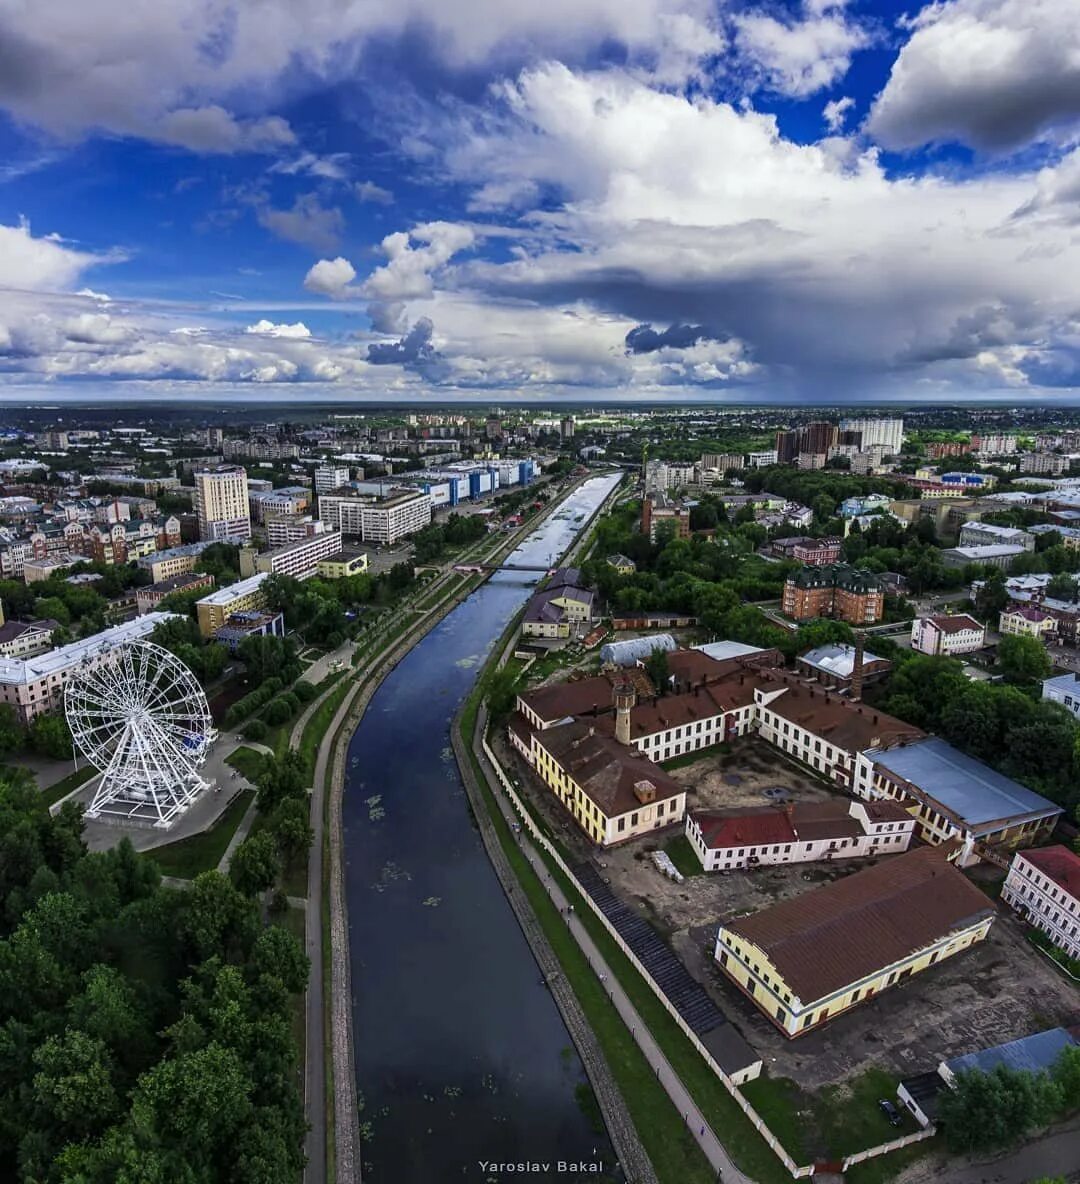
(1062, 586)
(12, 737)
(1023, 659)
(658, 670)
(291, 827)
(50, 736)
(255, 864)
(995, 1109)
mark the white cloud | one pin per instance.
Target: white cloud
(212, 129)
(835, 112)
(41, 264)
(269, 329)
(327, 168)
(408, 274)
(308, 222)
(331, 277)
(995, 74)
(798, 57)
(369, 191)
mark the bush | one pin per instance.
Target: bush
(277, 712)
(305, 691)
(256, 730)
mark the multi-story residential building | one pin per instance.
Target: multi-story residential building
(808, 959)
(658, 510)
(292, 500)
(299, 559)
(331, 477)
(1028, 620)
(846, 593)
(662, 475)
(221, 505)
(886, 432)
(260, 448)
(950, 635)
(1044, 463)
(243, 596)
(374, 518)
(20, 639)
(175, 561)
(939, 451)
(716, 464)
(566, 427)
(994, 444)
(761, 460)
(1043, 886)
(806, 832)
(343, 563)
(148, 598)
(290, 528)
(34, 686)
(1064, 689)
(975, 534)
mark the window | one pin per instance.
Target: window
(622, 824)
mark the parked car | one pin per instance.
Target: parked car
(890, 1111)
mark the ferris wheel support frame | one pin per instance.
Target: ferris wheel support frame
(143, 720)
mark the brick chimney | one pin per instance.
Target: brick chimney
(857, 666)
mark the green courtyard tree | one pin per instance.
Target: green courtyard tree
(1023, 659)
(255, 864)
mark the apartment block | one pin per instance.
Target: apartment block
(221, 505)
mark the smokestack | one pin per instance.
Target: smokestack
(857, 666)
(625, 698)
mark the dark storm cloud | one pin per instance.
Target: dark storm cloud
(644, 339)
(414, 347)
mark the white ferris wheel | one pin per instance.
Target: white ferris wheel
(141, 718)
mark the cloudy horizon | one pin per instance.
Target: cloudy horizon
(781, 201)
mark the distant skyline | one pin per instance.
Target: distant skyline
(773, 202)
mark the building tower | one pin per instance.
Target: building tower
(221, 505)
(625, 697)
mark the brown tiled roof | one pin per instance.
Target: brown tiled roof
(1059, 864)
(885, 810)
(954, 622)
(605, 769)
(560, 699)
(838, 934)
(760, 825)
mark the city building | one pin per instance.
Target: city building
(1043, 886)
(34, 685)
(994, 444)
(833, 665)
(804, 832)
(870, 503)
(808, 959)
(940, 450)
(1049, 463)
(714, 465)
(951, 634)
(610, 790)
(886, 432)
(221, 505)
(1028, 620)
(285, 501)
(974, 534)
(561, 608)
(243, 596)
(622, 564)
(376, 518)
(1064, 689)
(566, 427)
(761, 460)
(1000, 555)
(35, 570)
(290, 528)
(250, 623)
(299, 560)
(148, 598)
(659, 511)
(331, 477)
(345, 562)
(163, 565)
(22, 639)
(815, 552)
(837, 590)
(814, 438)
(954, 797)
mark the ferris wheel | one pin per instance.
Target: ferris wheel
(141, 718)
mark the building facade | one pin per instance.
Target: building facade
(377, 519)
(949, 634)
(1043, 886)
(298, 560)
(221, 505)
(837, 590)
(244, 596)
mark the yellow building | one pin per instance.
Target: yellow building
(342, 564)
(1027, 620)
(623, 564)
(808, 959)
(610, 790)
(244, 596)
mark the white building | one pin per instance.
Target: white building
(995, 444)
(376, 519)
(299, 560)
(1043, 886)
(955, 633)
(975, 534)
(885, 431)
(331, 477)
(1064, 690)
(762, 460)
(34, 686)
(221, 505)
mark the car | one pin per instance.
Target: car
(890, 1111)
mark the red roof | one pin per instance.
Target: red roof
(955, 622)
(750, 828)
(1059, 864)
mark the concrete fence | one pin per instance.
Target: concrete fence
(884, 1148)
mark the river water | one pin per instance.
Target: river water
(462, 1057)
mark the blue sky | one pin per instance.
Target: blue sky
(807, 200)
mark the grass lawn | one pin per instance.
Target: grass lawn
(186, 858)
(72, 781)
(315, 729)
(247, 761)
(682, 856)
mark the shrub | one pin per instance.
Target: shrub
(256, 730)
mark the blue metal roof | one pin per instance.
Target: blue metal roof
(1034, 1053)
(965, 786)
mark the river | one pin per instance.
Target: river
(462, 1057)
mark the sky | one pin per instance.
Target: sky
(798, 200)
